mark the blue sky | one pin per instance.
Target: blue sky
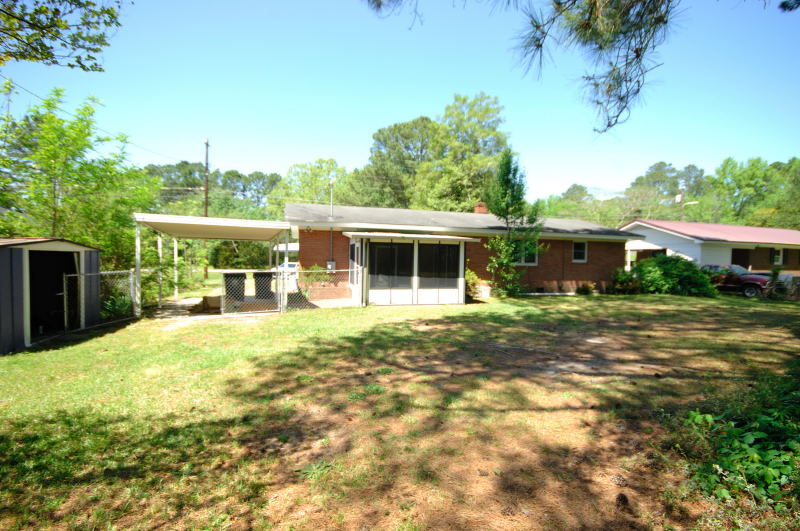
(274, 83)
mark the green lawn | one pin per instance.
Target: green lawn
(518, 414)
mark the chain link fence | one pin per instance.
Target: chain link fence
(279, 291)
(307, 289)
(97, 298)
(250, 291)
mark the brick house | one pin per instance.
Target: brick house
(419, 256)
(756, 248)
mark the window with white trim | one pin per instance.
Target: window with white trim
(529, 256)
(580, 252)
(776, 256)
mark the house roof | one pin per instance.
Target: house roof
(717, 232)
(431, 221)
(12, 242)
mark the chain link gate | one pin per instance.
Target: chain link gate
(97, 298)
(284, 290)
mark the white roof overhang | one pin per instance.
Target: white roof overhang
(408, 236)
(641, 245)
(291, 247)
(202, 228)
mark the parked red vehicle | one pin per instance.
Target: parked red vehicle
(733, 277)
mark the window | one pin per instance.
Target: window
(580, 252)
(527, 257)
(776, 256)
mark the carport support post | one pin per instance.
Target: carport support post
(285, 272)
(137, 294)
(175, 266)
(160, 269)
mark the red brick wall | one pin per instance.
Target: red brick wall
(555, 272)
(315, 249)
(555, 264)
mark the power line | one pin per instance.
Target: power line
(127, 142)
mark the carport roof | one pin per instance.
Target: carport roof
(203, 228)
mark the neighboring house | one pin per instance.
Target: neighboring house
(32, 299)
(419, 256)
(756, 248)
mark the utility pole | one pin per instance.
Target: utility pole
(205, 213)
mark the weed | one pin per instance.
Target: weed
(374, 389)
(316, 471)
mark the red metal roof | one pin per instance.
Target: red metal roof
(726, 233)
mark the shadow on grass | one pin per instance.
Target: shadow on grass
(365, 420)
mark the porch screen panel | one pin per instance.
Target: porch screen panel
(391, 265)
(438, 270)
(438, 266)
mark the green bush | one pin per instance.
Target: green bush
(471, 282)
(586, 288)
(664, 274)
(625, 282)
(502, 265)
(753, 445)
(116, 306)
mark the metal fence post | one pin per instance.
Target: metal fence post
(132, 283)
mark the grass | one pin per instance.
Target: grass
(516, 414)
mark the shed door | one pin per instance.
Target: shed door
(391, 269)
(47, 270)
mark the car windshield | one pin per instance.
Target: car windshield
(739, 270)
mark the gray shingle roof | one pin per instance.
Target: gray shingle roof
(298, 213)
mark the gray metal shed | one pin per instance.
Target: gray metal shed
(32, 303)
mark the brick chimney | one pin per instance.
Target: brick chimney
(480, 208)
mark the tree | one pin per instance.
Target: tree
(786, 209)
(621, 37)
(465, 152)
(505, 198)
(57, 32)
(396, 154)
(55, 187)
(254, 187)
(305, 183)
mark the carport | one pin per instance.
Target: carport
(203, 228)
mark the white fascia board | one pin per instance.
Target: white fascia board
(300, 226)
(212, 222)
(648, 226)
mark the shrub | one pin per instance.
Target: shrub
(502, 265)
(664, 274)
(116, 306)
(625, 282)
(471, 282)
(586, 288)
